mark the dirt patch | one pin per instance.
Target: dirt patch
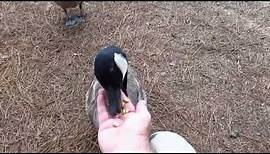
(204, 65)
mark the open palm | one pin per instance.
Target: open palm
(124, 133)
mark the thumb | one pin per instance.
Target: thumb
(141, 107)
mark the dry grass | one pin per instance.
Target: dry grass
(204, 65)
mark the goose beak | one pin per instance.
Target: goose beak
(114, 96)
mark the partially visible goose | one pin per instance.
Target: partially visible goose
(71, 20)
(113, 73)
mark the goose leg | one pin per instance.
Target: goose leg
(70, 22)
(66, 13)
(81, 9)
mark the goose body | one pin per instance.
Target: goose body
(68, 4)
(134, 91)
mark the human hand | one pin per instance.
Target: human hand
(124, 133)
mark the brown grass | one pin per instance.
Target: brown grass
(204, 65)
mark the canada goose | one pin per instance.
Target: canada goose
(71, 20)
(113, 73)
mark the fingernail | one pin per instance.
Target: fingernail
(143, 102)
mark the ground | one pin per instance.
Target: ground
(205, 67)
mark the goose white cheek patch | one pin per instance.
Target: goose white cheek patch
(121, 63)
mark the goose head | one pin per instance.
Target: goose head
(111, 68)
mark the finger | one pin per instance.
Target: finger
(129, 106)
(103, 115)
(142, 107)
